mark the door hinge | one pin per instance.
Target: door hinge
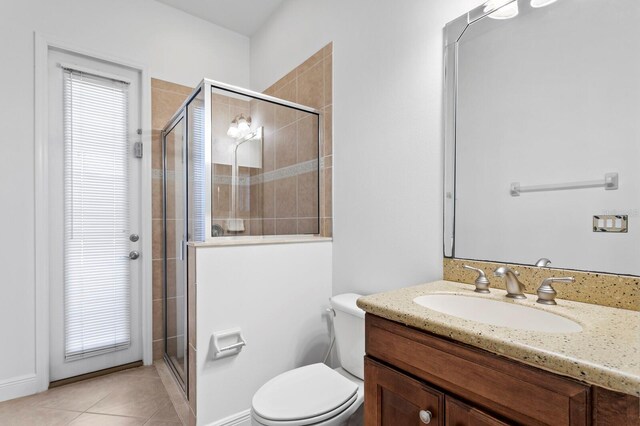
(137, 149)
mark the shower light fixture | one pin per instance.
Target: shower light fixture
(541, 3)
(502, 9)
(240, 127)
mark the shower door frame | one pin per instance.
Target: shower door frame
(205, 86)
(175, 120)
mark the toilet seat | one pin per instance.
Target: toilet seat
(303, 396)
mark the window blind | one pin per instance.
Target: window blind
(97, 283)
(198, 170)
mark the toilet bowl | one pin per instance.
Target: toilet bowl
(317, 394)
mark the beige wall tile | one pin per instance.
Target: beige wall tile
(311, 87)
(308, 195)
(269, 226)
(269, 200)
(163, 105)
(328, 184)
(171, 87)
(327, 64)
(286, 146)
(157, 279)
(309, 63)
(156, 198)
(328, 49)
(284, 115)
(256, 202)
(307, 138)
(158, 348)
(286, 226)
(158, 334)
(156, 239)
(308, 226)
(269, 152)
(328, 131)
(286, 190)
(156, 149)
(327, 227)
(221, 200)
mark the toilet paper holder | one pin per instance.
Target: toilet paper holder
(235, 348)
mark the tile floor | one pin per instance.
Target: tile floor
(131, 397)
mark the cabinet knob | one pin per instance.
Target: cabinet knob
(425, 416)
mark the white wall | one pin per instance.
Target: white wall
(277, 294)
(174, 46)
(387, 58)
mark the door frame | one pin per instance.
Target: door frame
(43, 44)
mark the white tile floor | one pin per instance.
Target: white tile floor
(131, 397)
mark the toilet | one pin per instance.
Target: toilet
(317, 394)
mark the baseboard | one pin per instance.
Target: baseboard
(242, 418)
(18, 386)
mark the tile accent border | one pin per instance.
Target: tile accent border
(616, 291)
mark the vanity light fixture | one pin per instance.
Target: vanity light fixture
(502, 9)
(541, 3)
(240, 127)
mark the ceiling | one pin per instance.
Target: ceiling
(242, 16)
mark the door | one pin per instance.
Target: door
(94, 215)
(393, 398)
(175, 238)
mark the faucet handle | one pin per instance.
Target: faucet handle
(547, 294)
(499, 272)
(482, 282)
(543, 262)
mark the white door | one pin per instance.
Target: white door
(94, 215)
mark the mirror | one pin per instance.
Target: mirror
(542, 129)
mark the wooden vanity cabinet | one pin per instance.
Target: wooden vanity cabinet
(408, 371)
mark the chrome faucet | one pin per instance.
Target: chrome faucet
(547, 294)
(482, 282)
(543, 262)
(515, 289)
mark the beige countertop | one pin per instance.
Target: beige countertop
(605, 353)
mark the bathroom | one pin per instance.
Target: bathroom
(289, 165)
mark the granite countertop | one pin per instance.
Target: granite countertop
(605, 353)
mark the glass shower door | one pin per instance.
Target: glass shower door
(175, 237)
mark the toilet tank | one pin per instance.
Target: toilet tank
(348, 325)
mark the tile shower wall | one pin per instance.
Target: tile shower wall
(289, 204)
(166, 98)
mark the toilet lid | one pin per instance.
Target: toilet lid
(302, 393)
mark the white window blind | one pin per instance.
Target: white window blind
(97, 283)
(198, 171)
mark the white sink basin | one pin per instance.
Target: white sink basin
(498, 313)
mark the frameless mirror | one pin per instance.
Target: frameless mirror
(542, 129)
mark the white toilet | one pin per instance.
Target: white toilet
(316, 394)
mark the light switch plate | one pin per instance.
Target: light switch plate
(611, 223)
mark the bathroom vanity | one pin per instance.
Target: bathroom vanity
(424, 367)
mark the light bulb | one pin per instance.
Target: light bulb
(243, 127)
(233, 131)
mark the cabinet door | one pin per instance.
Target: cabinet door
(394, 399)
(460, 414)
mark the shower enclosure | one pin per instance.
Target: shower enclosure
(236, 164)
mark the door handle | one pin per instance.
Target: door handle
(134, 254)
